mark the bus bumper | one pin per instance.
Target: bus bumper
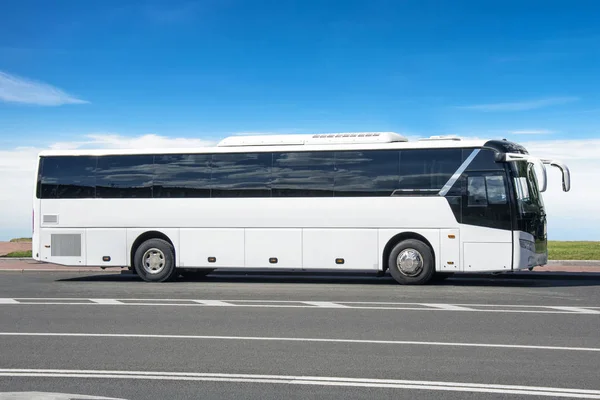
(524, 254)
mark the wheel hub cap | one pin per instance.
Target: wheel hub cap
(153, 261)
(409, 262)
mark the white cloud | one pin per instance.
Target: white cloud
(532, 132)
(115, 141)
(14, 89)
(571, 216)
(17, 181)
(250, 133)
(520, 105)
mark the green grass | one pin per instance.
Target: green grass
(558, 250)
(19, 240)
(18, 254)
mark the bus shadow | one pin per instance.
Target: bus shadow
(479, 280)
(519, 281)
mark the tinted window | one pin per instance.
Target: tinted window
(483, 161)
(182, 175)
(496, 190)
(366, 173)
(303, 174)
(67, 177)
(241, 175)
(428, 169)
(486, 203)
(124, 176)
(476, 192)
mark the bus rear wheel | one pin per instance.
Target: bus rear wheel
(411, 262)
(154, 261)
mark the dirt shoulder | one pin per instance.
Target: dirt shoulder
(9, 247)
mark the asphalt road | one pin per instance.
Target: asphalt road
(259, 336)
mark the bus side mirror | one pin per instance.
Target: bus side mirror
(566, 174)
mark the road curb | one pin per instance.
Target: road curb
(550, 275)
(574, 263)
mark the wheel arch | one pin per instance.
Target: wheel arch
(399, 238)
(147, 236)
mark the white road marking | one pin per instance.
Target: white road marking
(299, 339)
(325, 304)
(217, 303)
(577, 310)
(309, 380)
(106, 301)
(50, 396)
(452, 307)
(346, 305)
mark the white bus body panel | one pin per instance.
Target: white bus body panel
(341, 212)
(225, 245)
(357, 247)
(485, 249)
(449, 260)
(481, 257)
(285, 245)
(106, 242)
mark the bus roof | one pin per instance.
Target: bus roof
(286, 143)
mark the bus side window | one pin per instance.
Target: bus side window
(485, 201)
(477, 196)
(496, 191)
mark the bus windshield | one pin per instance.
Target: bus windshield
(529, 200)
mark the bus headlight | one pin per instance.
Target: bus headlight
(527, 245)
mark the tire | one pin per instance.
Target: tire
(412, 273)
(154, 261)
(195, 273)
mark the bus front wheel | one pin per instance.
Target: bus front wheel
(154, 261)
(411, 262)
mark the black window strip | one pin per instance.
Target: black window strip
(355, 173)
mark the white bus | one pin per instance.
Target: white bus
(347, 202)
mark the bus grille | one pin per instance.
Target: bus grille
(65, 245)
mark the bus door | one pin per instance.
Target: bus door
(486, 204)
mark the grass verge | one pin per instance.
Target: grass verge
(567, 250)
(19, 254)
(20, 240)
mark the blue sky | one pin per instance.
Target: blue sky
(523, 70)
(212, 67)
